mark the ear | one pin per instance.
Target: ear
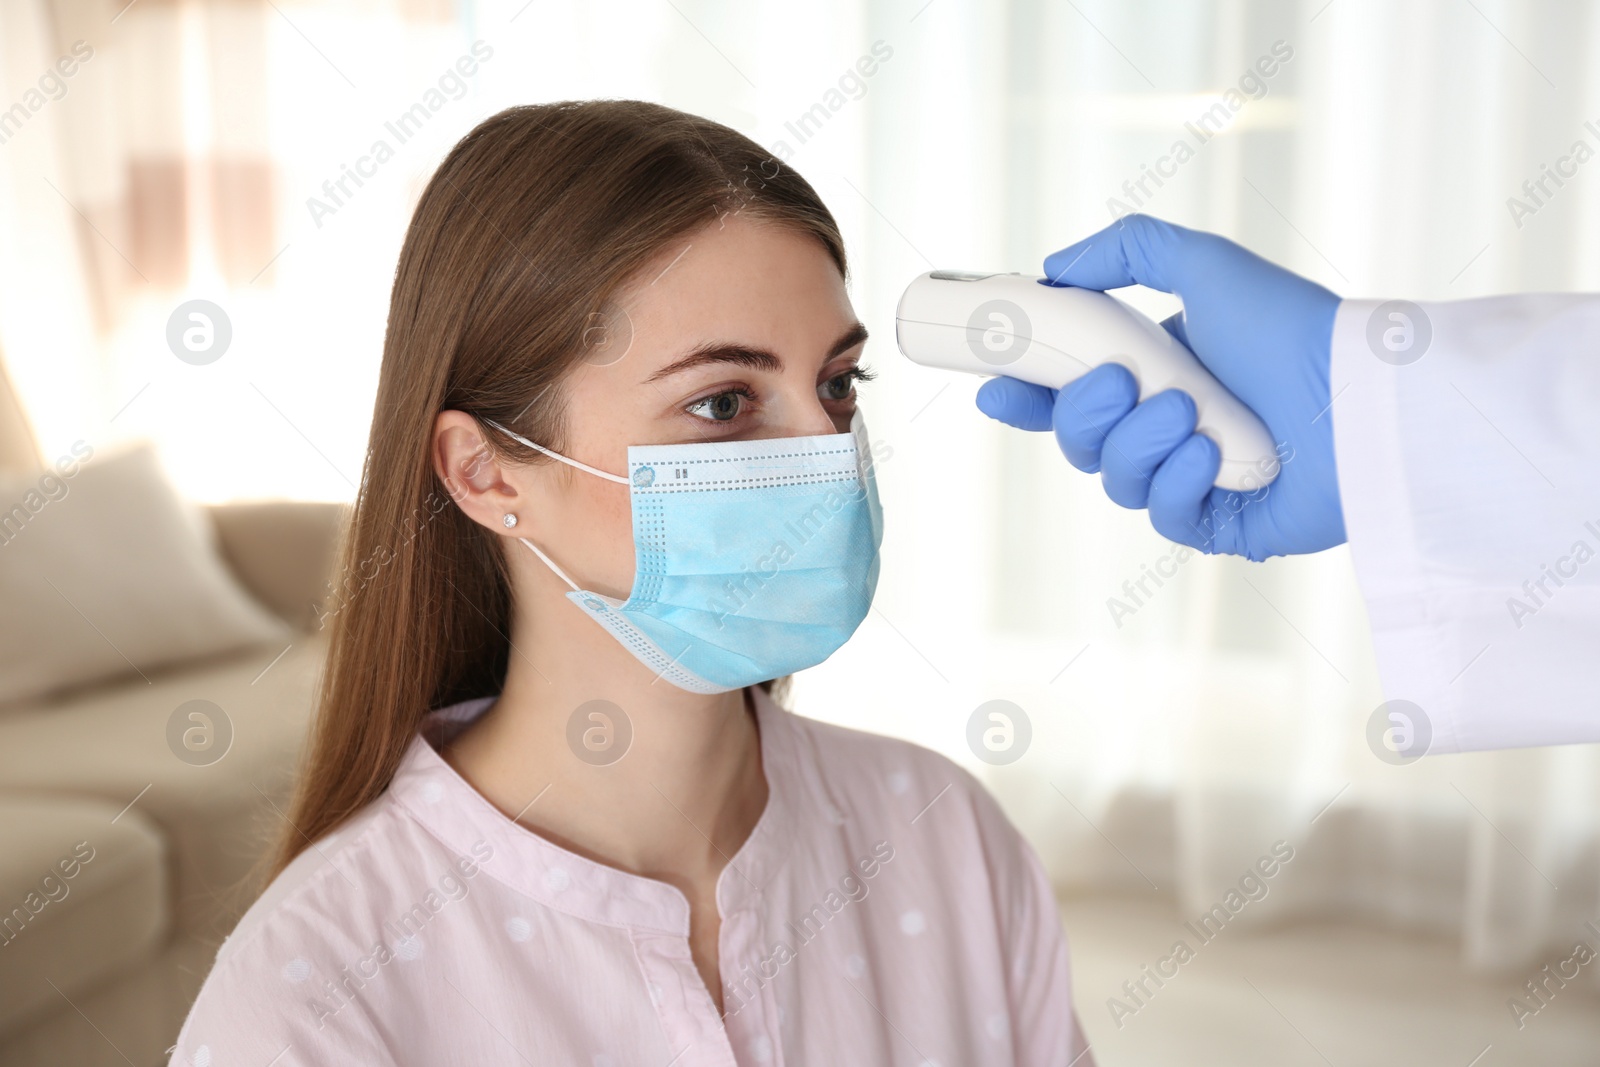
(471, 475)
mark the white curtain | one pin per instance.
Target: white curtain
(1176, 738)
(46, 321)
(176, 161)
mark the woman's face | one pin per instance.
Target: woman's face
(742, 330)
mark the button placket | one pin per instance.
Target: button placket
(747, 1000)
(689, 1020)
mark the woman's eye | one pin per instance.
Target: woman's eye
(720, 407)
(842, 386)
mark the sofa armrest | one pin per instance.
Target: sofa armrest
(282, 552)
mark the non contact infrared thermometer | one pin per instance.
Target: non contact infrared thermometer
(1051, 335)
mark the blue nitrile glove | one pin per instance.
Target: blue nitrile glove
(1264, 332)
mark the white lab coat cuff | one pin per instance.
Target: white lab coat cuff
(1471, 499)
(1409, 638)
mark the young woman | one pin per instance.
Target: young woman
(552, 812)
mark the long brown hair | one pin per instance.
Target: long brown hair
(530, 226)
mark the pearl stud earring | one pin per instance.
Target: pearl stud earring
(510, 520)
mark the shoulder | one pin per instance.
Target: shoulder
(260, 996)
(327, 882)
(943, 830)
(899, 782)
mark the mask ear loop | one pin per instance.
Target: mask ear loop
(557, 455)
(548, 562)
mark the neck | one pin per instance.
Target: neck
(678, 802)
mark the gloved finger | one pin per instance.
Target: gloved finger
(1088, 408)
(1140, 443)
(1134, 250)
(1180, 493)
(1017, 403)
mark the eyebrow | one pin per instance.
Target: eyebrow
(748, 356)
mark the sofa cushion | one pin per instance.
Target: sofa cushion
(145, 743)
(283, 552)
(19, 456)
(83, 897)
(109, 572)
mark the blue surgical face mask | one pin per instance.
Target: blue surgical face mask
(753, 559)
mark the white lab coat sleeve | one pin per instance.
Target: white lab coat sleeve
(1469, 470)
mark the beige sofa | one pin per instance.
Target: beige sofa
(104, 971)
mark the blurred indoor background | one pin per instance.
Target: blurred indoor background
(195, 152)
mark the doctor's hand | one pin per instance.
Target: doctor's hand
(1263, 332)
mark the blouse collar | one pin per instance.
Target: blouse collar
(460, 817)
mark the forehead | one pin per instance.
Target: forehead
(737, 279)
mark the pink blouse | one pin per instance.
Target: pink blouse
(882, 911)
